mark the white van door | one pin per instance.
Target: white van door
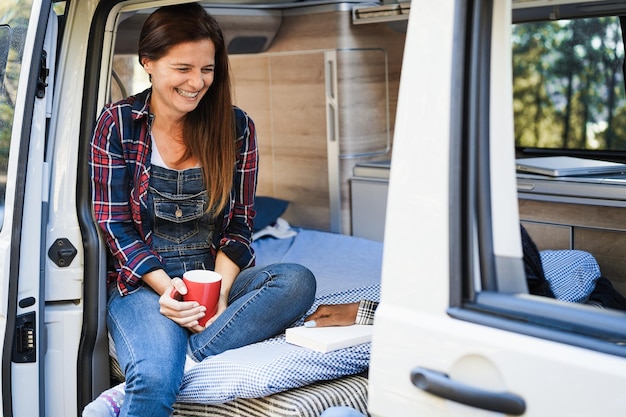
(456, 333)
(28, 33)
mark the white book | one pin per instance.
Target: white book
(326, 339)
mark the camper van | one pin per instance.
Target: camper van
(395, 140)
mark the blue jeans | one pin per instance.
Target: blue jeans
(151, 348)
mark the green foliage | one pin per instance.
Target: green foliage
(14, 17)
(568, 84)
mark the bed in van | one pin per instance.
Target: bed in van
(452, 93)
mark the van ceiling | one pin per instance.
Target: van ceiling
(243, 32)
(249, 26)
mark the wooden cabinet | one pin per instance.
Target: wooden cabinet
(578, 214)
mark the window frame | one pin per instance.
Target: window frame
(478, 292)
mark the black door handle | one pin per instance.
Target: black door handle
(441, 385)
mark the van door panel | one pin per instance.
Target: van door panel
(435, 312)
(21, 242)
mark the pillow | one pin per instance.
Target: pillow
(267, 368)
(572, 274)
(268, 209)
(273, 365)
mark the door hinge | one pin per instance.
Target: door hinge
(44, 71)
(24, 342)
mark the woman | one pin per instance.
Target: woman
(174, 173)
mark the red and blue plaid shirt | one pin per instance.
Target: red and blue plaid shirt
(120, 173)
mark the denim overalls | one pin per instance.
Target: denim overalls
(152, 348)
(182, 228)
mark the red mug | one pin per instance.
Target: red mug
(204, 287)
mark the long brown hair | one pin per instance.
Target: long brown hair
(209, 130)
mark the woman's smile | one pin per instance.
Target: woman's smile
(181, 77)
(187, 94)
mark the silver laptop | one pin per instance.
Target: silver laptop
(564, 166)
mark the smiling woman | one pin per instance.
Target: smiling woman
(168, 200)
(169, 43)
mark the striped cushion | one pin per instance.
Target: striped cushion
(307, 401)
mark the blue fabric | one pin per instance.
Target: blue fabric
(151, 350)
(274, 365)
(268, 209)
(183, 229)
(339, 262)
(572, 274)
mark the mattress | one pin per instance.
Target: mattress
(273, 377)
(308, 401)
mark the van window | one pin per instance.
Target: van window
(13, 25)
(568, 84)
(568, 94)
(5, 38)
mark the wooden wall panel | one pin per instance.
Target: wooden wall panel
(251, 92)
(285, 96)
(300, 155)
(573, 214)
(609, 249)
(312, 32)
(362, 92)
(547, 236)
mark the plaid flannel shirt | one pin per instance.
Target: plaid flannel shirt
(365, 313)
(120, 172)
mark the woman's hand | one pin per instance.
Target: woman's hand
(333, 315)
(184, 313)
(222, 303)
(229, 271)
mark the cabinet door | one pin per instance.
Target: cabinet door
(369, 207)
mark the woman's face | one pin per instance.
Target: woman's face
(181, 77)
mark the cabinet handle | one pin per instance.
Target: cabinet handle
(441, 385)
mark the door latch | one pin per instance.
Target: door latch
(42, 79)
(62, 252)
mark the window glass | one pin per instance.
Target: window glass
(13, 26)
(568, 84)
(5, 39)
